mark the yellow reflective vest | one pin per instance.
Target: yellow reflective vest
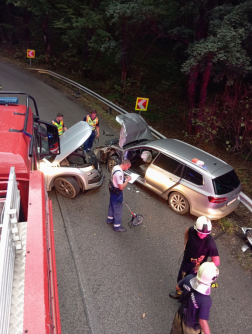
(59, 126)
(92, 122)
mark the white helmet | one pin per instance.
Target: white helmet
(203, 225)
(206, 275)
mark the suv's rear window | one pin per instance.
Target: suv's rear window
(226, 183)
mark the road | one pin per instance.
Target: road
(112, 283)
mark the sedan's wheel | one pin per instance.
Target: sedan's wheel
(67, 186)
(178, 203)
(113, 161)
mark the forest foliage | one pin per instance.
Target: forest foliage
(194, 55)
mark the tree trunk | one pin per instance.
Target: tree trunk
(203, 92)
(14, 38)
(124, 73)
(26, 20)
(124, 49)
(46, 39)
(191, 94)
(205, 81)
(2, 39)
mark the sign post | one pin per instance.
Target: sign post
(141, 104)
(30, 54)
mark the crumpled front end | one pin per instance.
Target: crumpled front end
(104, 152)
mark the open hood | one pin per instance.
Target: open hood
(134, 128)
(72, 139)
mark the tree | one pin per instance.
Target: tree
(41, 12)
(219, 49)
(133, 22)
(82, 26)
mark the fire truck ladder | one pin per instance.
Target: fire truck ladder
(12, 257)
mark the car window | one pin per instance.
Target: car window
(193, 176)
(154, 153)
(133, 155)
(226, 183)
(169, 164)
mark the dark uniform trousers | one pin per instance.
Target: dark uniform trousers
(89, 142)
(115, 209)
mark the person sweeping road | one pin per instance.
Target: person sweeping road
(116, 186)
(198, 246)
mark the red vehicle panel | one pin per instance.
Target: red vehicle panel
(40, 268)
(21, 137)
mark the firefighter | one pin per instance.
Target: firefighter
(198, 246)
(193, 314)
(60, 124)
(116, 186)
(92, 120)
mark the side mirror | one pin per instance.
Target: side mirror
(48, 139)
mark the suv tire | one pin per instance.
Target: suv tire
(178, 203)
(113, 161)
(67, 186)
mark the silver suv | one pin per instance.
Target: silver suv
(190, 179)
(72, 170)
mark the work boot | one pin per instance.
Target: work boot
(175, 295)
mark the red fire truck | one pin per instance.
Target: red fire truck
(28, 280)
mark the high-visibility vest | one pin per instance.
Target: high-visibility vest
(59, 126)
(92, 122)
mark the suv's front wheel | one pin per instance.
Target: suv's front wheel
(178, 203)
(67, 186)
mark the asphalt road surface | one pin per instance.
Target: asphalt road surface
(118, 283)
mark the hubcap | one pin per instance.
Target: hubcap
(178, 203)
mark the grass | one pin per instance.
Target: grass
(227, 226)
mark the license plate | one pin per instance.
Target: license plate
(231, 201)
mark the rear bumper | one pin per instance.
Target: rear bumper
(218, 213)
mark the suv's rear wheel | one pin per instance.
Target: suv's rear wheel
(113, 161)
(178, 203)
(67, 186)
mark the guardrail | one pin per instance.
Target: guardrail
(110, 104)
(244, 199)
(9, 234)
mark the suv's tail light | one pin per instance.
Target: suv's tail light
(217, 200)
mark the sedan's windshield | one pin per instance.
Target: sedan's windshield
(226, 183)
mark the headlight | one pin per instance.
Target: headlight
(87, 169)
(43, 165)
